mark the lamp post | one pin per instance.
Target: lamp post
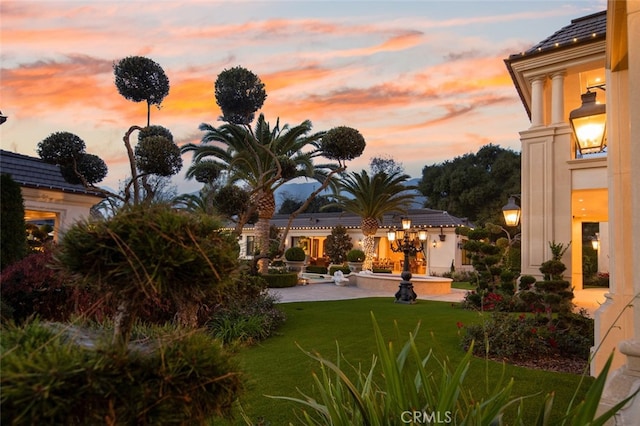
(410, 242)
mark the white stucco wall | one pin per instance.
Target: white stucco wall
(67, 208)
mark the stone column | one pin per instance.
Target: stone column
(617, 322)
(557, 98)
(537, 101)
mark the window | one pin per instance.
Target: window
(251, 245)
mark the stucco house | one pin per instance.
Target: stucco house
(565, 185)
(47, 196)
(442, 249)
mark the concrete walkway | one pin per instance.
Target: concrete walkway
(589, 299)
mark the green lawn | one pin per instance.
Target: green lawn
(464, 285)
(278, 367)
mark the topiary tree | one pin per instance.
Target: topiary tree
(239, 94)
(266, 158)
(12, 224)
(295, 254)
(356, 255)
(337, 244)
(149, 252)
(67, 150)
(342, 143)
(156, 152)
(141, 79)
(138, 79)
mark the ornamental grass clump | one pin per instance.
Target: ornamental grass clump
(61, 374)
(404, 387)
(246, 313)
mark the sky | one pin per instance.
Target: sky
(423, 81)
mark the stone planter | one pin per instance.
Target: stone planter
(295, 266)
(355, 266)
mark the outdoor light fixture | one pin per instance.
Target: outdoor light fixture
(3, 118)
(595, 242)
(589, 123)
(511, 212)
(410, 242)
(434, 243)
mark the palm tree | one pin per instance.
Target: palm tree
(371, 197)
(263, 159)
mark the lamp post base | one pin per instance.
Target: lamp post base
(405, 293)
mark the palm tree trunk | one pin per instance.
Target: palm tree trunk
(266, 206)
(368, 246)
(262, 239)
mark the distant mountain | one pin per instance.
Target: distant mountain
(301, 190)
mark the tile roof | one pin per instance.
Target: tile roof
(424, 218)
(581, 30)
(32, 172)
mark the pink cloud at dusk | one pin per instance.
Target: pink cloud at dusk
(423, 81)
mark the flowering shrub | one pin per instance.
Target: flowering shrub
(527, 336)
(486, 300)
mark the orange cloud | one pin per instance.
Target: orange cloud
(293, 77)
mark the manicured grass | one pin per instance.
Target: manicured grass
(464, 285)
(278, 367)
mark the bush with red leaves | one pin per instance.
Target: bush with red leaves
(30, 287)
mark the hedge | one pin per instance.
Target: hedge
(316, 269)
(345, 270)
(281, 280)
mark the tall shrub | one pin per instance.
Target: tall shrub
(12, 224)
(150, 252)
(337, 244)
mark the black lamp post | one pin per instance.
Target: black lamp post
(410, 242)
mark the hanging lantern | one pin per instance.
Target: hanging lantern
(589, 124)
(511, 212)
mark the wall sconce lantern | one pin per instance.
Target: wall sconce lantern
(595, 242)
(442, 235)
(434, 243)
(589, 123)
(511, 212)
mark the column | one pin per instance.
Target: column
(537, 101)
(557, 97)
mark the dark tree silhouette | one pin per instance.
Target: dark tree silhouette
(475, 186)
(68, 151)
(141, 79)
(239, 94)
